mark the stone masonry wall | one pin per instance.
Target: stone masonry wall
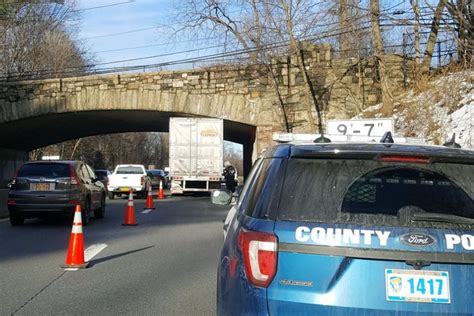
(238, 93)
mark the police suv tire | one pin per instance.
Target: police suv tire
(100, 212)
(16, 219)
(111, 195)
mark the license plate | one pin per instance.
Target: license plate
(124, 189)
(417, 286)
(42, 186)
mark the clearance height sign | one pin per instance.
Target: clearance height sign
(369, 127)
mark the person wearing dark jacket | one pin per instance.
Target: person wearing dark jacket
(229, 176)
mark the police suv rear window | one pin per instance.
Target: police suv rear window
(46, 170)
(373, 192)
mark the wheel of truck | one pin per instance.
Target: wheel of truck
(100, 212)
(111, 195)
(16, 219)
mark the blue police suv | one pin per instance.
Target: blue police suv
(351, 229)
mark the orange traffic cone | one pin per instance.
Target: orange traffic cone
(161, 193)
(149, 201)
(130, 212)
(75, 253)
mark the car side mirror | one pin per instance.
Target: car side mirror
(221, 197)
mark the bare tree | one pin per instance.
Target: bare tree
(37, 38)
(425, 66)
(380, 54)
(416, 28)
(257, 26)
(106, 151)
(462, 13)
(310, 92)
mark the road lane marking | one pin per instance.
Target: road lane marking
(90, 253)
(147, 211)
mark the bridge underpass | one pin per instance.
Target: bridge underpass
(20, 136)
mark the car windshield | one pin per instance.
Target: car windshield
(155, 173)
(371, 192)
(47, 170)
(101, 174)
(129, 170)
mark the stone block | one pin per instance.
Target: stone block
(133, 85)
(178, 83)
(372, 98)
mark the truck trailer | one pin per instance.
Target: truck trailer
(196, 154)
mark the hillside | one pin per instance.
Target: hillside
(435, 110)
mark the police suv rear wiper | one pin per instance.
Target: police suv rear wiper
(445, 218)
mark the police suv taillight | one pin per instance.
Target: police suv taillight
(259, 252)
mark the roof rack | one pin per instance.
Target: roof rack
(452, 142)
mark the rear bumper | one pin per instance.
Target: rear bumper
(193, 185)
(41, 208)
(34, 202)
(118, 190)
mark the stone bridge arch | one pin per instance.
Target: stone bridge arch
(43, 112)
(36, 113)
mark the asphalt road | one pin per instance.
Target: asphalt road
(166, 265)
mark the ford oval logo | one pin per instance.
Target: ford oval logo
(417, 239)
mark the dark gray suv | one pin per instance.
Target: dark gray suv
(42, 188)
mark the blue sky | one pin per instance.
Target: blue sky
(98, 25)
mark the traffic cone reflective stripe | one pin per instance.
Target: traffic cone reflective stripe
(149, 201)
(75, 253)
(161, 193)
(130, 212)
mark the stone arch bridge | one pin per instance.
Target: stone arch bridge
(37, 113)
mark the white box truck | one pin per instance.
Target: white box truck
(196, 154)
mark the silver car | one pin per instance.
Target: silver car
(42, 188)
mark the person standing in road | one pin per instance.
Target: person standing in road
(229, 176)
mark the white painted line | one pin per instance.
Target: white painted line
(147, 211)
(93, 251)
(90, 253)
(4, 220)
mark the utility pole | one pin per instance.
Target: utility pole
(404, 64)
(439, 54)
(416, 9)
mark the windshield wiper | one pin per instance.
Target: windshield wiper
(445, 218)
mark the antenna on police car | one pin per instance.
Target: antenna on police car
(387, 138)
(452, 142)
(322, 138)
